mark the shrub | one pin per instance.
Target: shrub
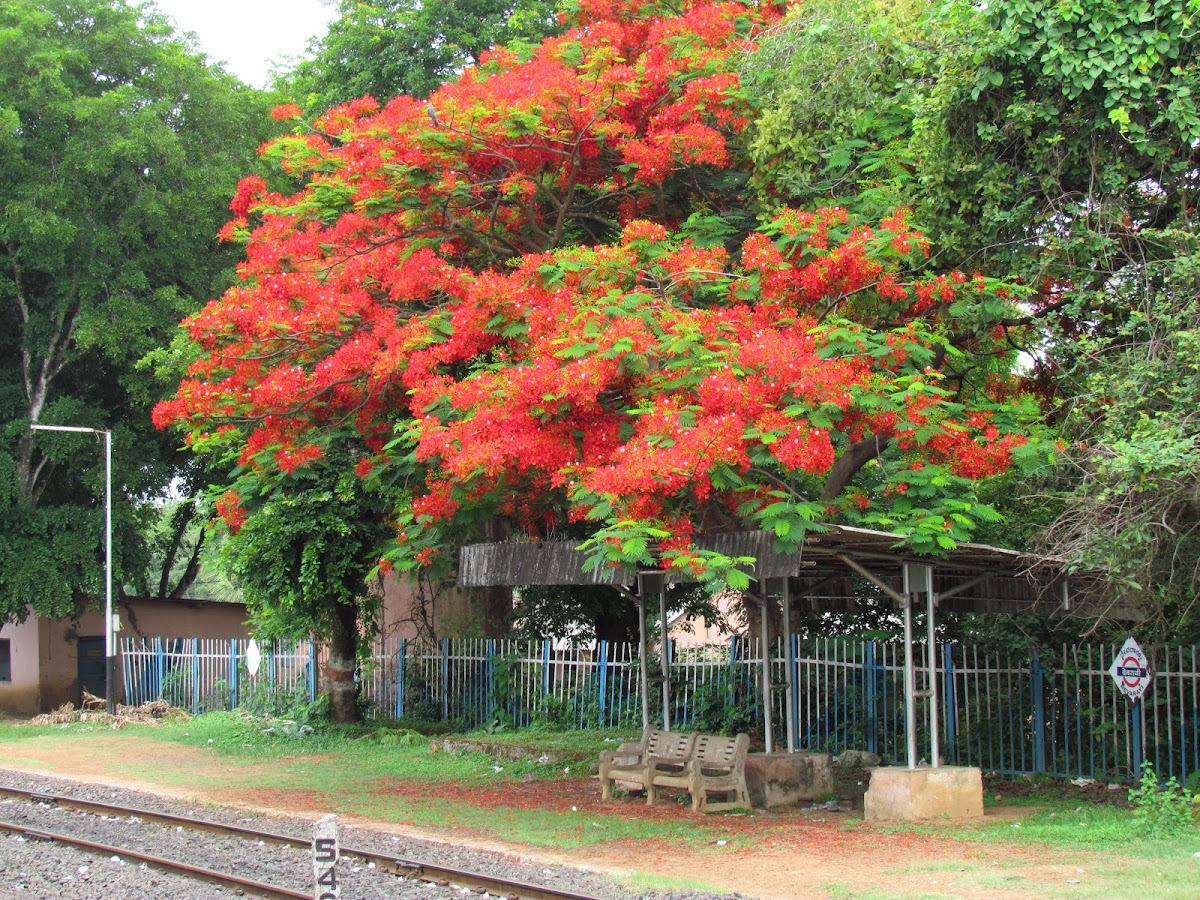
(1162, 810)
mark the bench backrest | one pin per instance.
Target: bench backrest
(669, 744)
(721, 750)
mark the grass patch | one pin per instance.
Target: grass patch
(364, 771)
(647, 882)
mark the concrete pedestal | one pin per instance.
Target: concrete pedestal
(786, 779)
(947, 792)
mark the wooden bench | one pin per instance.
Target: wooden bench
(700, 763)
(660, 752)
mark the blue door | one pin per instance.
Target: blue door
(91, 666)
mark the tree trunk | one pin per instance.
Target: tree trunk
(497, 601)
(339, 671)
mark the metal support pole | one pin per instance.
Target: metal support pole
(931, 656)
(643, 663)
(768, 738)
(790, 661)
(664, 656)
(910, 677)
(110, 650)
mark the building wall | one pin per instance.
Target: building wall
(446, 611)
(57, 639)
(23, 696)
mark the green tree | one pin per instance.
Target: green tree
(392, 47)
(301, 547)
(119, 148)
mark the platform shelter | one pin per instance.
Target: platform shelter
(825, 575)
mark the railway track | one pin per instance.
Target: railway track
(399, 866)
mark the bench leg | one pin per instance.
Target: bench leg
(606, 786)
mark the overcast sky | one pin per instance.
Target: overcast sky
(248, 35)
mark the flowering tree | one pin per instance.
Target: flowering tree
(535, 298)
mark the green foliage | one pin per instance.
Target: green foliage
(716, 707)
(1162, 810)
(1130, 507)
(306, 548)
(835, 85)
(119, 149)
(1193, 782)
(389, 47)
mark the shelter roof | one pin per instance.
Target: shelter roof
(829, 571)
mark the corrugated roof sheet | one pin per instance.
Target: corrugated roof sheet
(971, 578)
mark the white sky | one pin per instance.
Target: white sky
(248, 35)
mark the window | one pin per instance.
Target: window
(5, 662)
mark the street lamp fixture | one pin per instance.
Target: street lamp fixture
(110, 651)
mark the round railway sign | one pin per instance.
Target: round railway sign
(1131, 670)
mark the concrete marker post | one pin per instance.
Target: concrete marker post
(325, 859)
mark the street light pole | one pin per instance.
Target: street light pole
(110, 650)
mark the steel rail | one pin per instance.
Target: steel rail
(400, 866)
(196, 873)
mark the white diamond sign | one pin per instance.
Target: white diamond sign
(253, 658)
(1131, 671)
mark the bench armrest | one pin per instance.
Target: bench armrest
(627, 757)
(708, 768)
(666, 764)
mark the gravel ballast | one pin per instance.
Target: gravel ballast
(33, 868)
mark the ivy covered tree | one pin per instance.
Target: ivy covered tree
(118, 149)
(300, 549)
(1055, 146)
(540, 297)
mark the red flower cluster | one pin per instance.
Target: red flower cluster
(425, 277)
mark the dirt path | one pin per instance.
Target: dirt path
(785, 855)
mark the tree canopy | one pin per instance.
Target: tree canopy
(118, 150)
(546, 295)
(389, 47)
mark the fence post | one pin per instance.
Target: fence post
(312, 670)
(159, 663)
(233, 674)
(872, 707)
(126, 668)
(489, 702)
(195, 676)
(546, 667)
(271, 671)
(603, 653)
(731, 677)
(401, 661)
(793, 693)
(445, 679)
(950, 708)
(1036, 677)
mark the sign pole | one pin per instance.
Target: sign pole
(1130, 670)
(1136, 714)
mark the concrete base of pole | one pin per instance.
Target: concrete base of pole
(910, 795)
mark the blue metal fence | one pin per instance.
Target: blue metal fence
(1057, 712)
